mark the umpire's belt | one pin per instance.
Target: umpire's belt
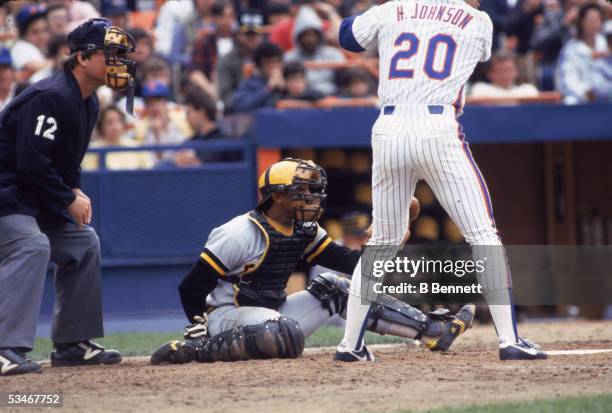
(433, 109)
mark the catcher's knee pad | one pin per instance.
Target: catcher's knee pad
(332, 291)
(281, 338)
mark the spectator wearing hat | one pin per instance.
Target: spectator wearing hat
(239, 62)
(116, 11)
(111, 128)
(201, 111)
(575, 67)
(8, 85)
(308, 38)
(163, 123)
(28, 53)
(152, 69)
(266, 85)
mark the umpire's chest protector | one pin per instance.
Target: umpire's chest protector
(264, 286)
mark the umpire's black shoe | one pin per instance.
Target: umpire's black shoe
(12, 361)
(83, 354)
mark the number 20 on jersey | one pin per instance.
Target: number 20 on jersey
(413, 44)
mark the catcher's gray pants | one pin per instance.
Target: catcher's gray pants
(302, 307)
(25, 251)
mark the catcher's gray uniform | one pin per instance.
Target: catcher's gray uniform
(239, 245)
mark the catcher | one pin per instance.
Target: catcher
(235, 294)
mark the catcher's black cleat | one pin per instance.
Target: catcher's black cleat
(452, 329)
(12, 361)
(523, 350)
(175, 352)
(84, 353)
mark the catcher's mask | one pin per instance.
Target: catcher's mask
(304, 181)
(98, 35)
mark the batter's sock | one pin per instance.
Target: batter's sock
(356, 315)
(503, 315)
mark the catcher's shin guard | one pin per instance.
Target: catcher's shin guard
(437, 330)
(281, 338)
(389, 315)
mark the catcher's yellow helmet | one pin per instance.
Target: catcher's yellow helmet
(287, 175)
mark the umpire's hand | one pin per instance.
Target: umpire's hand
(80, 209)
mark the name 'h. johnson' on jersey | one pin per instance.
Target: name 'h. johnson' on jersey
(427, 49)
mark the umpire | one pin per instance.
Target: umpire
(44, 215)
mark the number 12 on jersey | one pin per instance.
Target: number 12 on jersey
(432, 49)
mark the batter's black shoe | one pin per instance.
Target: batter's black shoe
(451, 329)
(176, 352)
(523, 350)
(84, 353)
(346, 355)
(12, 361)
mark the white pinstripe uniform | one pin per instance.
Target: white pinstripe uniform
(428, 49)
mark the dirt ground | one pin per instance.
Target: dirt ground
(405, 377)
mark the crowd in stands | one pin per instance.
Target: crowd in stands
(197, 60)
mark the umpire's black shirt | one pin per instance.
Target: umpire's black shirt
(44, 134)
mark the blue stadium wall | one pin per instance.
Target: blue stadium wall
(153, 224)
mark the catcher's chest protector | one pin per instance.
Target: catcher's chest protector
(264, 286)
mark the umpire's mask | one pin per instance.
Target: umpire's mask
(98, 35)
